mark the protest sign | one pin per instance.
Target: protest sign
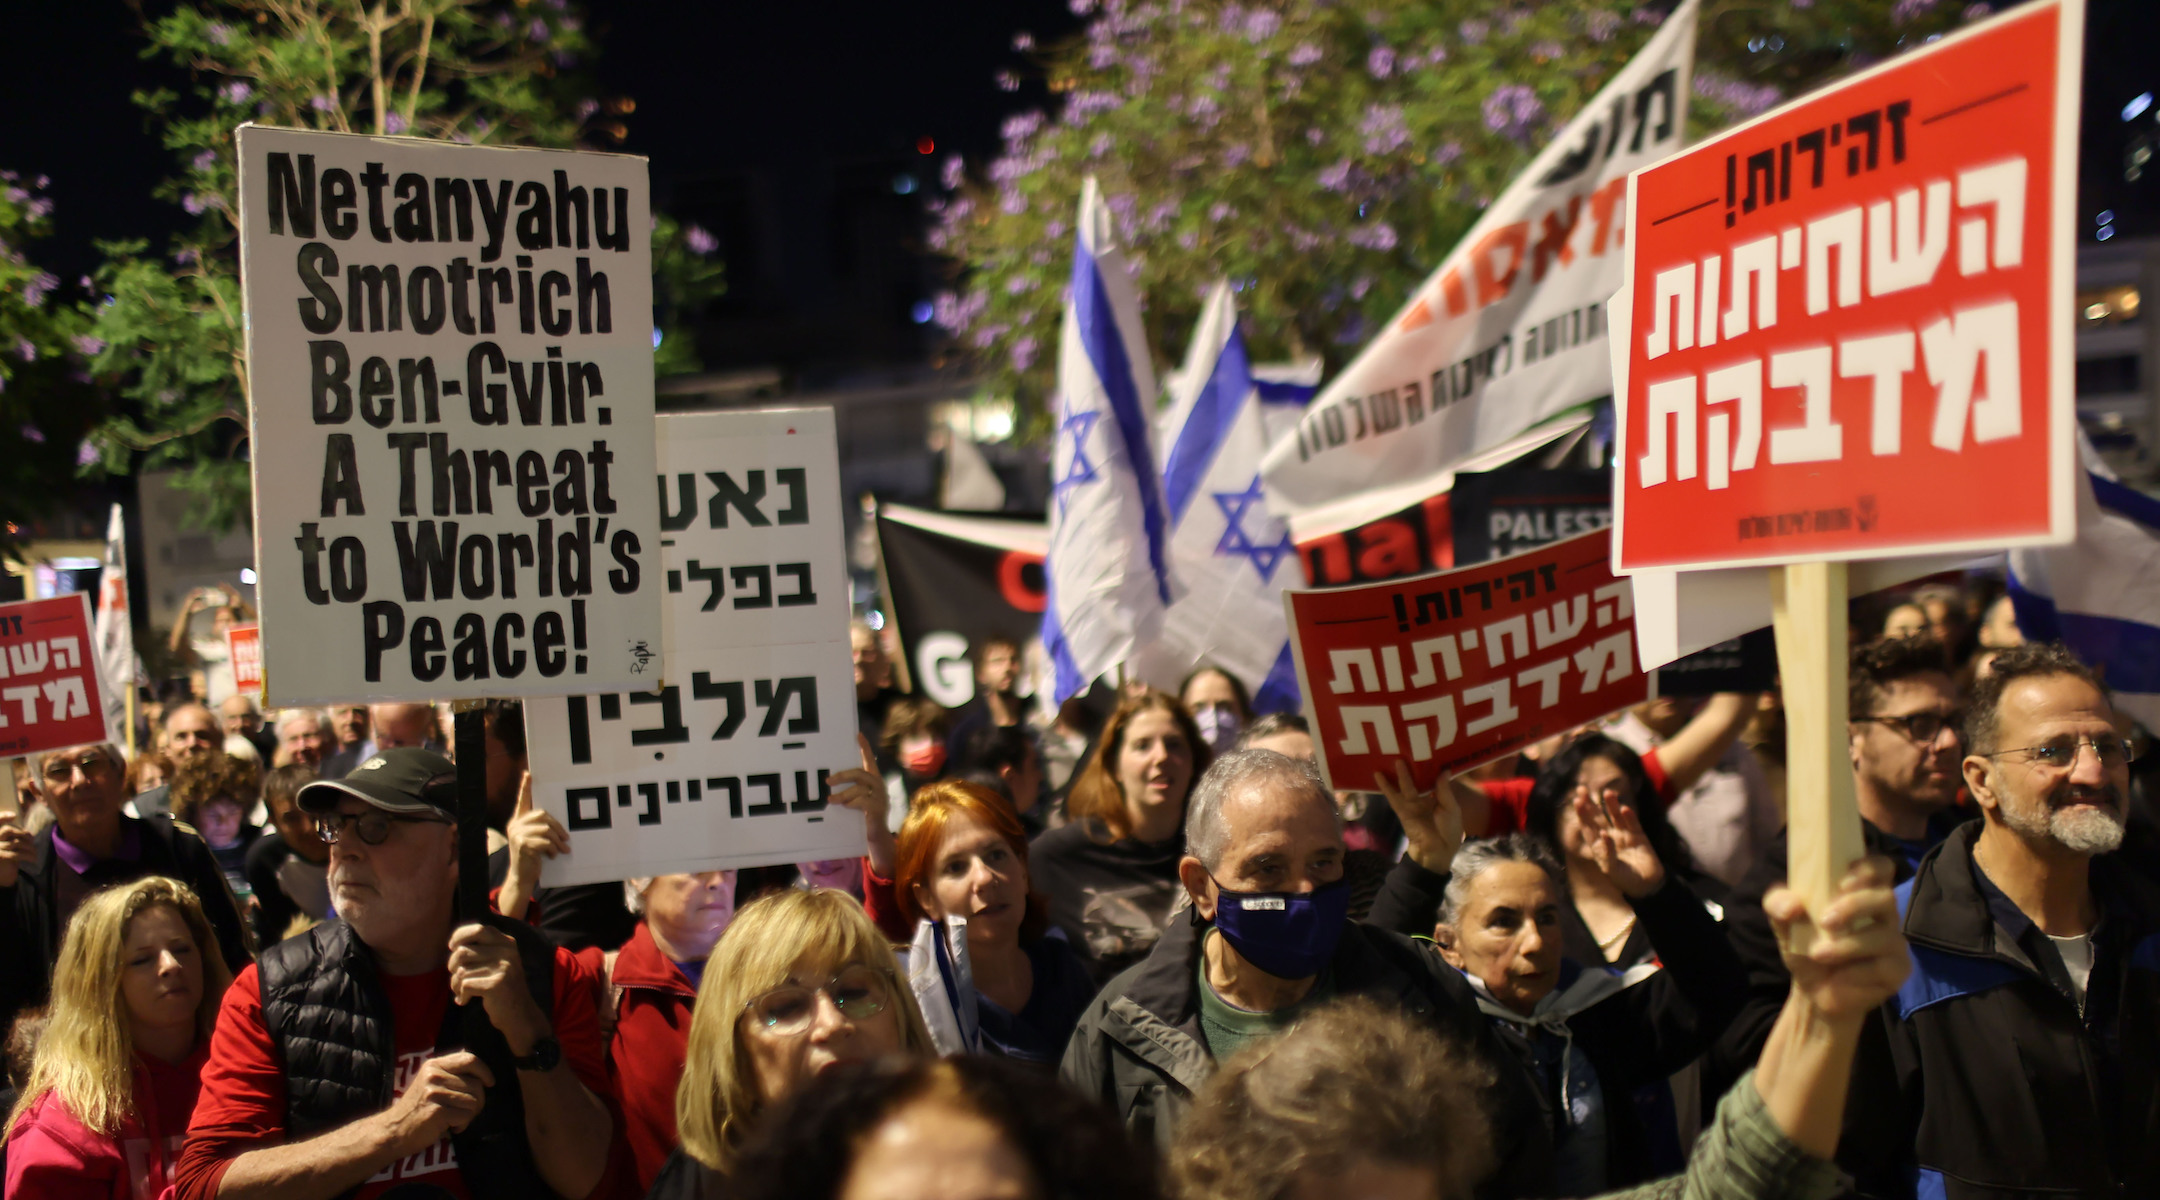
(52, 694)
(953, 580)
(1851, 317)
(1498, 513)
(450, 392)
(1747, 663)
(1510, 328)
(726, 764)
(1445, 671)
(1789, 281)
(243, 647)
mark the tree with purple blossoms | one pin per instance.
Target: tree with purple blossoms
(1323, 157)
(166, 331)
(46, 406)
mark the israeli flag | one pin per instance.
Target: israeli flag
(1228, 550)
(2100, 595)
(1108, 570)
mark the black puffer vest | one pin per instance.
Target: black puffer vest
(330, 1020)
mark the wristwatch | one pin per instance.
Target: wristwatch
(546, 1053)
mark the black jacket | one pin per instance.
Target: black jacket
(1768, 982)
(1982, 1079)
(1139, 1048)
(324, 1007)
(1637, 1036)
(30, 926)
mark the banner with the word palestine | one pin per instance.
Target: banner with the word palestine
(1449, 670)
(1498, 513)
(52, 694)
(726, 764)
(1850, 319)
(1510, 329)
(954, 580)
(450, 391)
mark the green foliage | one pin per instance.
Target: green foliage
(685, 277)
(1324, 157)
(45, 408)
(488, 72)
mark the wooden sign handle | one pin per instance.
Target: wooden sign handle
(10, 803)
(1822, 823)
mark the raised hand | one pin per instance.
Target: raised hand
(863, 789)
(534, 836)
(1858, 958)
(1432, 821)
(1616, 844)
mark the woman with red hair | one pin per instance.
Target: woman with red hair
(992, 975)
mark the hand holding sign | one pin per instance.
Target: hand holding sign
(15, 847)
(1857, 957)
(863, 789)
(1614, 841)
(1432, 821)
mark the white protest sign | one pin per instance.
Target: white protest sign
(725, 765)
(1510, 328)
(450, 386)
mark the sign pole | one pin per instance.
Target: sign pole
(10, 803)
(1808, 611)
(131, 720)
(471, 759)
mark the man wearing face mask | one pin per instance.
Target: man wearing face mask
(1266, 938)
(2022, 1055)
(997, 701)
(1218, 705)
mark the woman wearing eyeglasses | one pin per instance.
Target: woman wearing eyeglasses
(135, 996)
(800, 983)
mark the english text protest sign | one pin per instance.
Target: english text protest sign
(1511, 328)
(953, 580)
(52, 695)
(1447, 670)
(450, 391)
(1849, 330)
(726, 764)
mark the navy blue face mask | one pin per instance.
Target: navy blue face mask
(1290, 935)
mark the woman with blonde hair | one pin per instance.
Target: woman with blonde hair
(135, 993)
(801, 982)
(1110, 873)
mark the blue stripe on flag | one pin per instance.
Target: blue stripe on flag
(1279, 691)
(1105, 348)
(1213, 413)
(2129, 649)
(2126, 501)
(1065, 678)
(1274, 392)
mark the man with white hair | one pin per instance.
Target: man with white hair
(1265, 939)
(304, 738)
(2023, 1055)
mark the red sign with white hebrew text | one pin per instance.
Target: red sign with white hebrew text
(244, 642)
(50, 696)
(1850, 320)
(1448, 670)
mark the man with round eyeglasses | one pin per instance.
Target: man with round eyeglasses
(342, 1064)
(91, 845)
(2023, 1054)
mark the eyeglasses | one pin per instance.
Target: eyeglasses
(1922, 727)
(373, 826)
(2061, 754)
(860, 992)
(91, 763)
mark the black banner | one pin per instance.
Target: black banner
(1498, 513)
(971, 577)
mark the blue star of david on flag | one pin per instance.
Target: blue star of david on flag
(1079, 470)
(1235, 541)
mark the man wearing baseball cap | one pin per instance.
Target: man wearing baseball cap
(342, 1064)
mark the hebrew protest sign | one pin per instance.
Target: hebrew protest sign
(726, 764)
(450, 393)
(1447, 670)
(1850, 329)
(51, 693)
(243, 645)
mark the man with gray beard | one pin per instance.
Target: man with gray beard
(2020, 1057)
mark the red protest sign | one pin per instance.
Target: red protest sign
(50, 694)
(244, 644)
(1447, 670)
(1850, 319)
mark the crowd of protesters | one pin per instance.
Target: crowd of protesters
(1133, 950)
